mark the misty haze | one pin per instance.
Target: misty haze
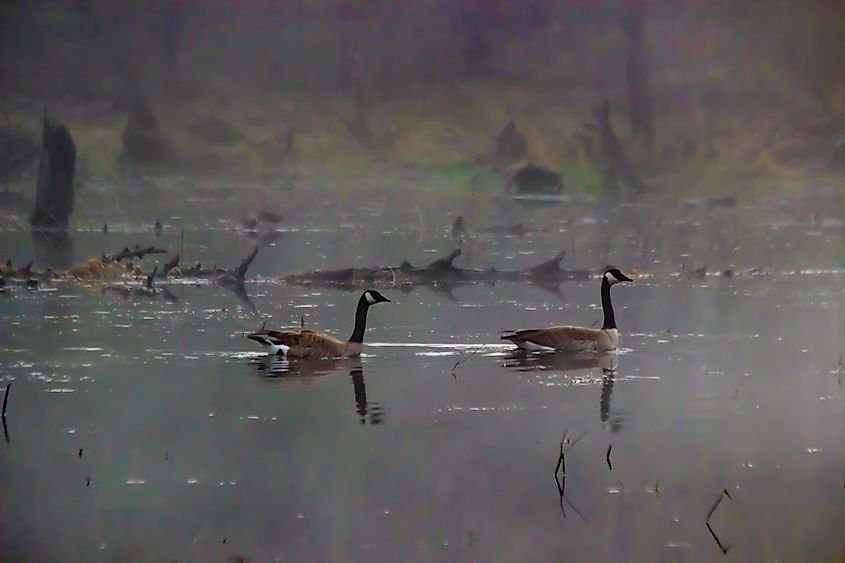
(423, 280)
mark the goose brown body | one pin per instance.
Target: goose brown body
(303, 343)
(575, 338)
(565, 339)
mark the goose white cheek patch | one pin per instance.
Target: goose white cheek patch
(370, 298)
(611, 278)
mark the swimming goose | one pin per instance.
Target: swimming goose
(575, 338)
(311, 344)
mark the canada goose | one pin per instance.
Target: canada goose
(311, 344)
(576, 338)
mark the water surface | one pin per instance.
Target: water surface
(146, 429)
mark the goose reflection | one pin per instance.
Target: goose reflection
(367, 411)
(612, 421)
(557, 361)
(282, 369)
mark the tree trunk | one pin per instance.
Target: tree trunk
(53, 249)
(639, 101)
(54, 199)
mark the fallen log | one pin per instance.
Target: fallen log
(110, 268)
(128, 280)
(441, 271)
(137, 252)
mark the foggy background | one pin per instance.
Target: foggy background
(756, 87)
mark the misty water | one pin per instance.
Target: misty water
(146, 429)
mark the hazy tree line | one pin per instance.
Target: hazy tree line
(94, 48)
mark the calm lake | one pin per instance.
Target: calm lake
(150, 429)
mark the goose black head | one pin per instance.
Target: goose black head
(614, 276)
(372, 296)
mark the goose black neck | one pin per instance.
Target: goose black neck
(360, 320)
(607, 306)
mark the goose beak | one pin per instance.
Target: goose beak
(626, 278)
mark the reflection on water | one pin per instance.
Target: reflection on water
(53, 249)
(611, 422)
(367, 411)
(567, 364)
(563, 362)
(281, 368)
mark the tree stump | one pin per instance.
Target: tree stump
(610, 160)
(532, 179)
(639, 101)
(511, 145)
(54, 198)
(143, 142)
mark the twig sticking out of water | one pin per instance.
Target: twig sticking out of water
(561, 489)
(560, 477)
(724, 493)
(150, 283)
(561, 460)
(572, 443)
(609, 449)
(79, 453)
(5, 404)
(724, 548)
(461, 360)
(657, 488)
(6, 398)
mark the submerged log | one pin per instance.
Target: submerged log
(441, 271)
(54, 199)
(110, 268)
(236, 277)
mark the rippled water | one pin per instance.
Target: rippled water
(147, 429)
